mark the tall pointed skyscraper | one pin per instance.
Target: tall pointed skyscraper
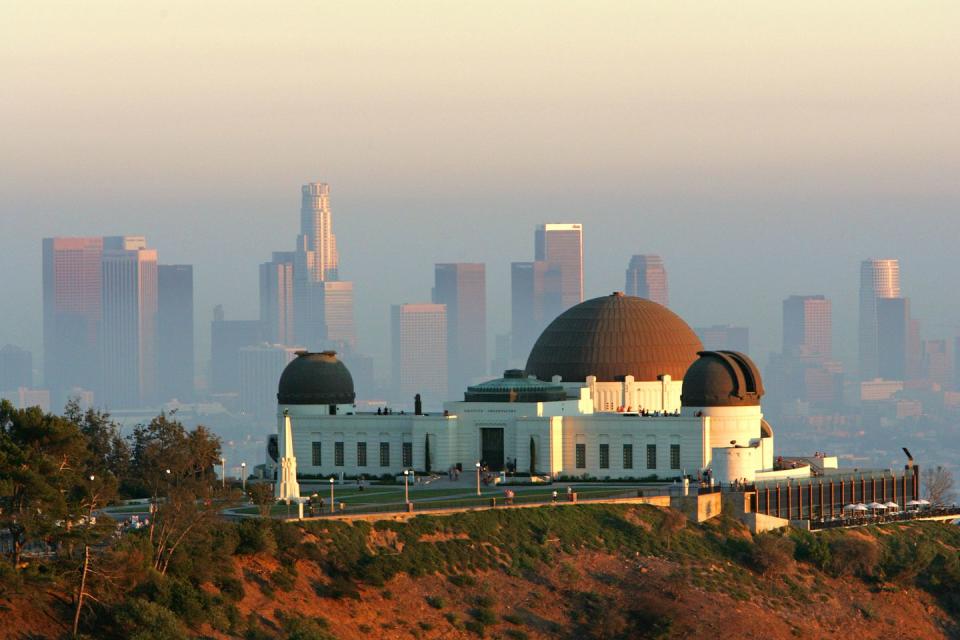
(647, 278)
(322, 303)
(316, 229)
(879, 279)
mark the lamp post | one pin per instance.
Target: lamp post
(93, 499)
(331, 494)
(406, 489)
(243, 474)
(478, 478)
(223, 473)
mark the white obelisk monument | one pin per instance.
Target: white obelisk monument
(287, 488)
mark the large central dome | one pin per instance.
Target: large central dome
(612, 337)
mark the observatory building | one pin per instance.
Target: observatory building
(615, 387)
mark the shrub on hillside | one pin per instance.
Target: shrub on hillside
(142, 620)
(772, 553)
(853, 556)
(811, 548)
(255, 536)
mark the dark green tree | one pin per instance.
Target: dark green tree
(44, 476)
(175, 468)
(533, 457)
(426, 453)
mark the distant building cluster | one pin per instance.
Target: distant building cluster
(118, 331)
(117, 325)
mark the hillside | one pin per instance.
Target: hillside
(584, 572)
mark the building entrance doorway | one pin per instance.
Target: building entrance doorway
(491, 448)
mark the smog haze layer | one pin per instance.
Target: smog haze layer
(763, 149)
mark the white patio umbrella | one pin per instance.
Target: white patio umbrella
(924, 503)
(876, 506)
(861, 507)
(892, 505)
(914, 503)
(850, 507)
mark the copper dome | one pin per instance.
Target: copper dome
(612, 337)
(722, 379)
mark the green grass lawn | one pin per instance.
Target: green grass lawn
(390, 498)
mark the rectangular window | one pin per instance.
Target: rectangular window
(605, 456)
(628, 456)
(581, 456)
(338, 454)
(384, 454)
(361, 454)
(651, 456)
(315, 454)
(674, 456)
(407, 454)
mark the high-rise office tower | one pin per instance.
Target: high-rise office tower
(937, 366)
(807, 327)
(276, 297)
(259, 368)
(647, 278)
(316, 227)
(175, 331)
(128, 323)
(323, 304)
(16, 368)
(527, 305)
(879, 279)
(462, 288)
(419, 334)
(323, 315)
(71, 313)
(893, 337)
(804, 371)
(724, 337)
(543, 289)
(227, 338)
(561, 246)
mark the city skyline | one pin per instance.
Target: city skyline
(547, 128)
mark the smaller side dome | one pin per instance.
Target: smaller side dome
(722, 379)
(316, 378)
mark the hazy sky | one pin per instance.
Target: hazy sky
(763, 148)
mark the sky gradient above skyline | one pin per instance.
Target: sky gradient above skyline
(763, 149)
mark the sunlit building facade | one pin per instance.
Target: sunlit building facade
(419, 349)
(128, 326)
(879, 279)
(72, 288)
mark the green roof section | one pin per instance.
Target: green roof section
(515, 386)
